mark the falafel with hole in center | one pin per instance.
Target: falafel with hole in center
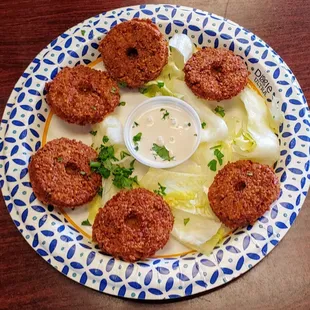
(134, 52)
(60, 174)
(81, 95)
(242, 192)
(215, 74)
(133, 225)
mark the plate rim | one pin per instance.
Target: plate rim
(41, 55)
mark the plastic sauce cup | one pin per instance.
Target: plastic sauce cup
(158, 102)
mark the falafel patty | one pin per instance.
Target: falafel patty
(242, 192)
(133, 225)
(134, 52)
(60, 174)
(81, 95)
(215, 74)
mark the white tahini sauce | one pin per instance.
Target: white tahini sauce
(168, 127)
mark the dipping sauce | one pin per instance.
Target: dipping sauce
(164, 133)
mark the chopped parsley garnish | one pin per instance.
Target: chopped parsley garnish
(122, 177)
(203, 125)
(86, 223)
(169, 76)
(113, 90)
(122, 103)
(94, 164)
(105, 139)
(143, 90)
(166, 114)
(93, 132)
(162, 152)
(220, 111)
(135, 124)
(189, 124)
(104, 172)
(83, 32)
(186, 221)
(122, 84)
(249, 173)
(100, 191)
(123, 154)
(136, 148)
(212, 165)
(195, 134)
(94, 108)
(216, 147)
(60, 159)
(132, 163)
(219, 155)
(137, 138)
(106, 167)
(160, 84)
(161, 190)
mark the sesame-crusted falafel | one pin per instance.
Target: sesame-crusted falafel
(133, 225)
(242, 192)
(60, 174)
(134, 52)
(82, 95)
(215, 74)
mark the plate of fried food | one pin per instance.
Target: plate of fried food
(155, 151)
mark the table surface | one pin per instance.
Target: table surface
(282, 279)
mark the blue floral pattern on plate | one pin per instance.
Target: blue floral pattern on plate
(63, 247)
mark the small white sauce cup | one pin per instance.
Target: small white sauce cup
(153, 103)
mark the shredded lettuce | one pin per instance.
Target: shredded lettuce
(164, 85)
(275, 114)
(245, 142)
(195, 224)
(110, 127)
(188, 166)
(192, 228)
(266, 148)
(109, 190)
(215, 128)
(93, 208)
(276, 117)
(184, 191)
(171, 72)
(206, 153)
(181, 49)
(153, 88)
(207, 247)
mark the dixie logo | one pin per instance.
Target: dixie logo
(262, 82)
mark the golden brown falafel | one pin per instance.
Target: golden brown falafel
(134, 52)
(133, 225)
(242, 192)
(81, 95)
(60, 174)
(215, 74)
